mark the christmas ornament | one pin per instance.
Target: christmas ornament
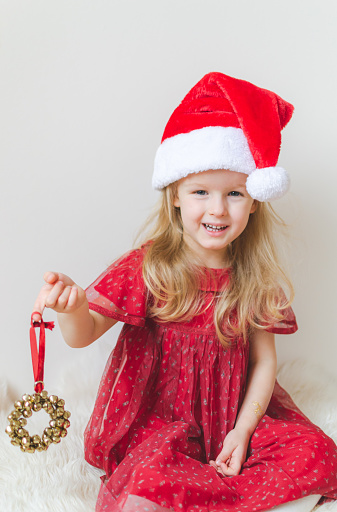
(28, 404)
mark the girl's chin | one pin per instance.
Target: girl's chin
(206, 243)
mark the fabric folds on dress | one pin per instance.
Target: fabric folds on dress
(169, 395)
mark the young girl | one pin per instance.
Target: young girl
(188, 416)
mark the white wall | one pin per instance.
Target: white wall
(86, 89)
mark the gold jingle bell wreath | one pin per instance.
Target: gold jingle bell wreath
(24, 408)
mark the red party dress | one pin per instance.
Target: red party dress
(169, 395)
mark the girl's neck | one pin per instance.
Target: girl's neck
(208, 259)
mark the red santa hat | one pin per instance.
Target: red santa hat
(226, 123)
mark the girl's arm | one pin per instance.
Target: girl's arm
(260, 385)
(79, 325)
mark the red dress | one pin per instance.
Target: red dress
(169, 395)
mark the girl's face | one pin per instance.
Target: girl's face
(215, 208)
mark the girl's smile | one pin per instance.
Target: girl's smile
(215, 208)
(215, 229)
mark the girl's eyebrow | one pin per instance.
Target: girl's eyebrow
(235, 187)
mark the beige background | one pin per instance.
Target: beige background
(86, 89)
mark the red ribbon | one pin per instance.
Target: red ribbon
(38, 354)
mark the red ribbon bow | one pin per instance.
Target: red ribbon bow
(38, 354)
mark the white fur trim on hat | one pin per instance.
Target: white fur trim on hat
(212, 147)
(268, 183)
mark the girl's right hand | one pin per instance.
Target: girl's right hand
(233, 454)
(60, 293)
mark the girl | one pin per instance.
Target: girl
(188, 415)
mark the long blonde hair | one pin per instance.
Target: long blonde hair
(254, 293)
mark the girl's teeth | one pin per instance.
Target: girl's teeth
(209, 227)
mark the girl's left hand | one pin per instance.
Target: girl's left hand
(233, 454)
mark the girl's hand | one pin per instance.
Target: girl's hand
(233, 454)
(60, 293)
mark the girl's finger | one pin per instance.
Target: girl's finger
(224, 465)
(217, 468)
(64, 298)
(54, 294)
(224, 456)
(37, 315)
(231, 470)
(51, 277)
(40, 303)
(73, 296)
(232, 466)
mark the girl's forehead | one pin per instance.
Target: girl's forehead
(215, 176)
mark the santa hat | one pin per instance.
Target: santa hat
(226, 123)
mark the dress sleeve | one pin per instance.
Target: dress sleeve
(287, 325)
(120, 292)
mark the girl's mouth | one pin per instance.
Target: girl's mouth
(214, 229)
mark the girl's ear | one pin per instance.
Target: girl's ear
(254, 206)
(174, 197)
(176, 202)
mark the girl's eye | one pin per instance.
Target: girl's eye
(234, 193)
(200, 192)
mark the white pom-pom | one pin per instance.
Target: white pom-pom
(268, 183)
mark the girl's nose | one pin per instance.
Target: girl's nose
(217, 207)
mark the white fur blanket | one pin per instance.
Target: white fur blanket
(59, 480)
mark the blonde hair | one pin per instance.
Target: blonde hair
(171, 273)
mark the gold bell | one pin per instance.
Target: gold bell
(37, 398)
(10, 430)
(48, 407)
(47, 441)
(48, 432)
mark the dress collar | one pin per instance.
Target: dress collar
(214, 279)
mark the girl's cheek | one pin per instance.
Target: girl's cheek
(192, 208)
